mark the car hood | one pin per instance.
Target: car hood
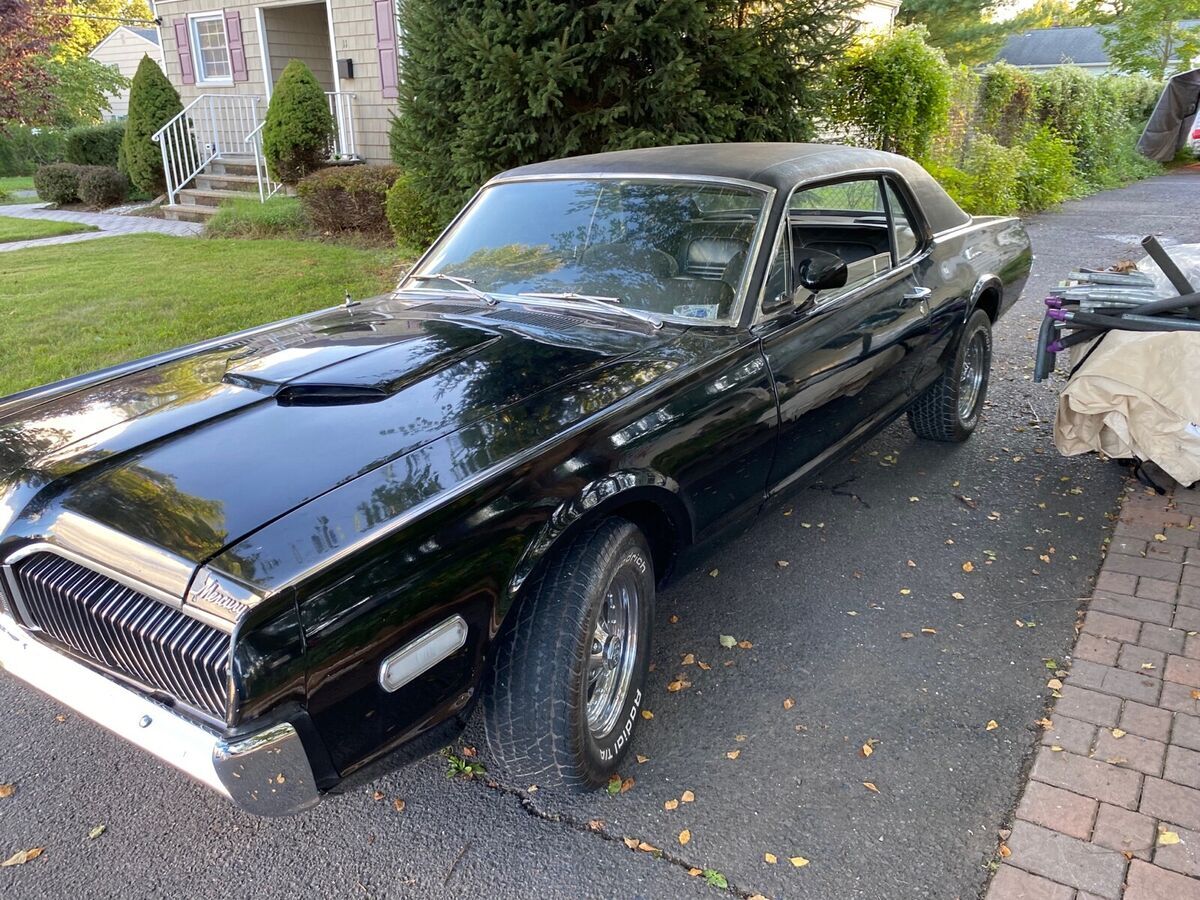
(192, 454)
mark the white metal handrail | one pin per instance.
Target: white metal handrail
(266, 187)
(210, 126)
(343, 145)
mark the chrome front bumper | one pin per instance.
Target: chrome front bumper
(267, 774)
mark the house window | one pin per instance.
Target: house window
(212, 49)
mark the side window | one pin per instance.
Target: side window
(906, 237)
(845, 218)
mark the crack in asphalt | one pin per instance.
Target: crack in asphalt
(529, 805)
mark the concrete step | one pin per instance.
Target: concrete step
(232, 165)
(179, 213)
(199, 197)
(212, 182)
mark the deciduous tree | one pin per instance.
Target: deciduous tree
(1147, 38)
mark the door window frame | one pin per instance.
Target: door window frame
(883, 177)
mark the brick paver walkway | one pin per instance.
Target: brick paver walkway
(1112, 807)
(109, 225)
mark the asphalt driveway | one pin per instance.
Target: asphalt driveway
(863, 626)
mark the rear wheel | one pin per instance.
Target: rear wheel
(567, 681)
(948, 410)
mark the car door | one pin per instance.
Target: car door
(844, 360)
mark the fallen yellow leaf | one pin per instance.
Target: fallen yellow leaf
(733, 754)
(648, 848)
(968, 566)
(1054, 684)
(906, 634)
(904, 592)
(1168, 837)
(1054, 748)
(866, 749)
(1160, 537)
(6, 790)
(631, 843)
(398, 805)
(788, 703)
(627, 785)
(928, 631)
(23, 856)
(694, 872)
(1044, 722)
(771, 858)
(714, 573)
(687, 796)
(642, 759)
(870, 786)
(992, 725)
(798, 861)
(745, 645)
(678, 685)
(1118, 733)
(671, 804)
(1004, 851)
(958, 595)
(646, 714)
(684, 837)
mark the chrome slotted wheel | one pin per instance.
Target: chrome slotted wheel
(613, 653)
(970, 379)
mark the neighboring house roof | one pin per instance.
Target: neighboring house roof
(150, 35)
(1079, 44)
(1082, 45)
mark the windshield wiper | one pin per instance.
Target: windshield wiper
(467, 284)
(609, 304)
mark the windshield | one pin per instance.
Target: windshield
(672, 248)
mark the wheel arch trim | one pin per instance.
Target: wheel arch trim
(621, 490)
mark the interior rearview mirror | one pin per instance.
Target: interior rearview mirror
(820, 271)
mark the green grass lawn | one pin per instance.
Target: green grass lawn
(9, 184)
(78, 307)
(14, 229)
(16, 183)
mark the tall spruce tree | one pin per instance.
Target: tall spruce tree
(490, 84)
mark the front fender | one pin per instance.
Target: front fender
(633, 490)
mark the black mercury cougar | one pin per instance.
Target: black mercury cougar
(277, 558)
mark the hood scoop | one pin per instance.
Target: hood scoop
(368, 374)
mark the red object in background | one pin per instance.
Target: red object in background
(1196, 134)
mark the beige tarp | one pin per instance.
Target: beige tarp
(1136, 395)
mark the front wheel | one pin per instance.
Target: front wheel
(948, 410)
(568, 678)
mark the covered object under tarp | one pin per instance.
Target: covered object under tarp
(1136, 395)
(1167, 130)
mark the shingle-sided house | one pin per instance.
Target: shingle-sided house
(123, 49)
(227, 48)
(224, 57)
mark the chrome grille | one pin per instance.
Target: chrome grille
(125, 631)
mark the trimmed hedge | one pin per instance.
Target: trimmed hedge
(58, 182)
(101, 186)
(23, 149)
(414, 220)
(95, 145)
(348, 198)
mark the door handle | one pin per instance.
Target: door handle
(916, 295)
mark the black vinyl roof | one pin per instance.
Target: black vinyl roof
(778, 165)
